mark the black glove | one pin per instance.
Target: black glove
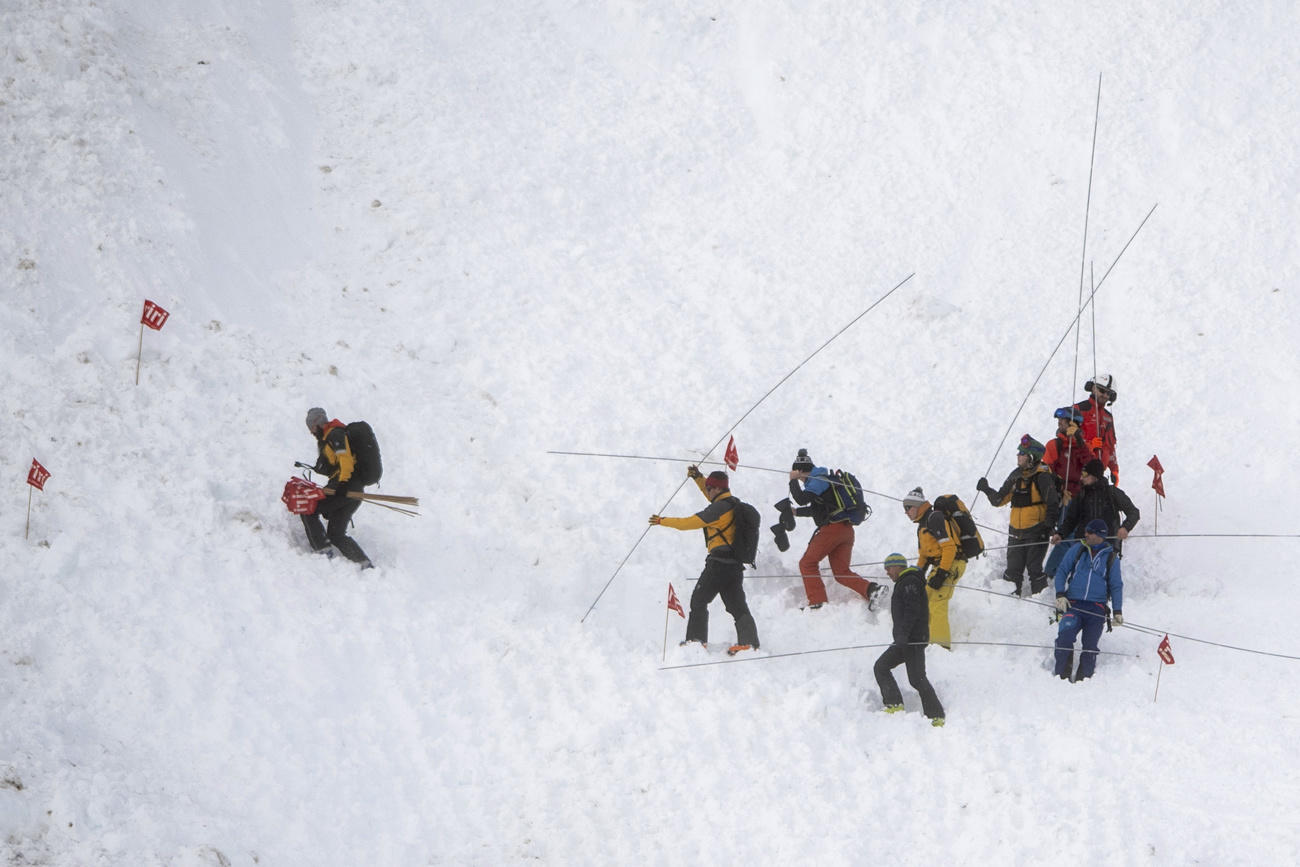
(983, 485)
(937, 577)
(782, 538)
(693, 472)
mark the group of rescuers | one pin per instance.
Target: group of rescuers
(1058, 494)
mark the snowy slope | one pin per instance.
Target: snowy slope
(494, 232)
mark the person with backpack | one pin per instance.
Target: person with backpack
(1035, 507)
(1098, 425)
(1067, 452)
(911, 613)
(835, 505)
(724, 570)
(938, 545)
(1086, 580)
(1097, 499)
(350, 467)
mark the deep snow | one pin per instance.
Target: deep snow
(494, 231)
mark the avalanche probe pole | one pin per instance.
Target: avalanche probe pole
(1060, 342)
(723, 438)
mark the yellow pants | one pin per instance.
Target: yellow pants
(940, 633)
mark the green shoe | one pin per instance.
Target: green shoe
(893, 708)
(937, 722)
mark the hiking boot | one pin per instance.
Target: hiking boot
(739, 648)
(687, 641)
(366, 564)
(787, 513)
(937, 722)
(814, 606)
(893, 708)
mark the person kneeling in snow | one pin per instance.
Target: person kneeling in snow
(1087, 578)
(911, 612)
(723, 574)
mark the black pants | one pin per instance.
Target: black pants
(725, 579)
(1025, 554)
(913, 655)
(337, 510)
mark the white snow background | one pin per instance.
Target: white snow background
(494, 230)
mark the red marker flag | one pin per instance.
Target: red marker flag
(301, 496)
(37, 475)
(673, 603)
(732, 457)
(1157, 483)
(154, 316)
(1166, 652)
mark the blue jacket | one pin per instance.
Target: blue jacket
(1091, 575)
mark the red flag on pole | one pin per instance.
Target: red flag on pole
(1157, 483)
(732, 457)
(154, 316)
(673, 603)
(37, 475)
(1166, 652)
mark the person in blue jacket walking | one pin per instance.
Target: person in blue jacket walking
(1087, 578)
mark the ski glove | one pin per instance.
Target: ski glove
(1062, 604)
(983, 485)
(1119, 618)
(655, 520)
(693, 472)
(937, 578)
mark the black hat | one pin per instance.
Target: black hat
(802, 462)
(1095, 468)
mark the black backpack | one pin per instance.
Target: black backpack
(846, 495)
(365, 448)
(744, 545)
(968, 535)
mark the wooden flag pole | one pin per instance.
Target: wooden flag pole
(664, 656)
(28, 528)
(138, 353)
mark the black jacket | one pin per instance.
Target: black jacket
(910, 608)
(1099, 500)
(813, 504)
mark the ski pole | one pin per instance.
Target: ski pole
(1060, 342)
(729, 430)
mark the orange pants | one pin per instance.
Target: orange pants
(833, 541)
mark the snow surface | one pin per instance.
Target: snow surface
(496, 230)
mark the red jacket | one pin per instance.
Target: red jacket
(1098, 423)
(1067, 460)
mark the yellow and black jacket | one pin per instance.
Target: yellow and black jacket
(717, 520)
(335, 454)
(936, 540)
(1035, 502)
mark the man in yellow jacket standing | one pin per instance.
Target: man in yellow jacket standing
(723, 573)
(1035, 508)
(936, 543)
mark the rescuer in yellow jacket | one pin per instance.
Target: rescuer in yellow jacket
(936, 543)
(334, 459)
(723, 574)
(1035, 508)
